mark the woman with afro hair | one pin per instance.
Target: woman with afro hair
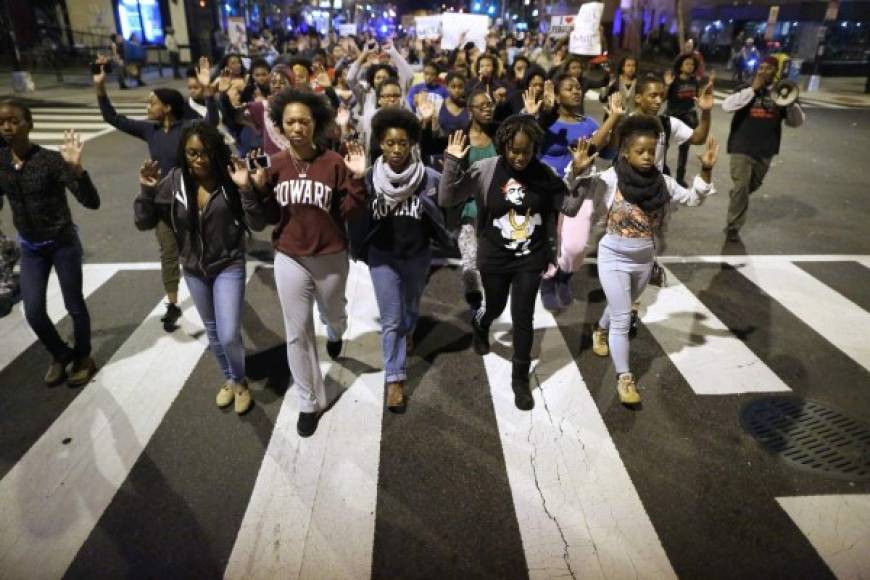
(313, 192)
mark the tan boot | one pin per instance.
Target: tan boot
(243, 397)
(627, 389)
(396, 397)
(226, 395)
(56, 373)
(599, 341)
(81, 372)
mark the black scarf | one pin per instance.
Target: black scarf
(648, 190)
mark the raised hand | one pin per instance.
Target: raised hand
(322, 77)
(615, 106)
(342, 116)
(669, 78)
(549, 97)
(355, 160)
(224, 81)
(499, 95)
(705, 101)
(71, 150)
(149, 173)
(426, 108)
(238, 171)
(711, 153)
(581, 158)
(203, 72)
(260, 176)
(456, 145)
(530, 103)
(100, 77)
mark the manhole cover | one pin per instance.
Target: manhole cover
(810, 436)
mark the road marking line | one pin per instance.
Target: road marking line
(576, 506)
(839, 320)
(312, 510)
(838, 527)
(708, 355)
(56, 493)
(16, 333)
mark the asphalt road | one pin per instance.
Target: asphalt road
(462, 486)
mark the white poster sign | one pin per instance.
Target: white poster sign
(561, 26)
(346, 29)
(428, 27)
(453, 24)
(586, 36)
(238, 35)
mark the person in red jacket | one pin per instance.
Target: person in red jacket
(313, 192)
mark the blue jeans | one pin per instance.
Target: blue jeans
(399, 287)
(36, 265)
(219, 301)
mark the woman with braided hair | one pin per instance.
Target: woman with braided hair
(518, 200)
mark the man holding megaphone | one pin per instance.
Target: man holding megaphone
(756, 130)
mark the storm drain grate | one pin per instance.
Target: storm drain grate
(810, 436)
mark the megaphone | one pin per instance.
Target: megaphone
(785, 93)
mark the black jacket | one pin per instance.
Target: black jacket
(37, 194)
(208, 240)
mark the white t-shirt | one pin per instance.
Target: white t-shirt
(680, 133)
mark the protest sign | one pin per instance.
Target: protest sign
(475, 27)
(428, 27)
(586, 37)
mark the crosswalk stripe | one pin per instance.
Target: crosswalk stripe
(88, 109)
(311, 492)
(839, 320)
(16, 333)
(837, 527)
(708, 355)
(53, 497)
(577, 508)
(72, 124)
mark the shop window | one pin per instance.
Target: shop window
(141, 17)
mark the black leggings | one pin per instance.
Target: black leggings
(523, 289)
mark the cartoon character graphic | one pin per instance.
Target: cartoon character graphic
(517, 227)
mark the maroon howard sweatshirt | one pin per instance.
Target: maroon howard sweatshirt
(311, 201)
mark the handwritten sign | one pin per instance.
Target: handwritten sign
(428, 27)
(475, 27)
(586, 36)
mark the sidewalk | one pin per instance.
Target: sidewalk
(77, 88)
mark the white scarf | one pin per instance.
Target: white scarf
(394, 188)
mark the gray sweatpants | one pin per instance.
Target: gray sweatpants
(301, 282)
(624, 268)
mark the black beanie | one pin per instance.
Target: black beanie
(172, 99)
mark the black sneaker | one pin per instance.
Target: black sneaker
(307, 424)
(479, 337)
(523, 399)
(173, 313)
(333, 348)
(732, 235)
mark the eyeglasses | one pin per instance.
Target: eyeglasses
(194, 154)
(483, 106)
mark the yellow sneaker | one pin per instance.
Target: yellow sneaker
(627, 389)
(599, 341)
(226, 395)
(243, 398)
